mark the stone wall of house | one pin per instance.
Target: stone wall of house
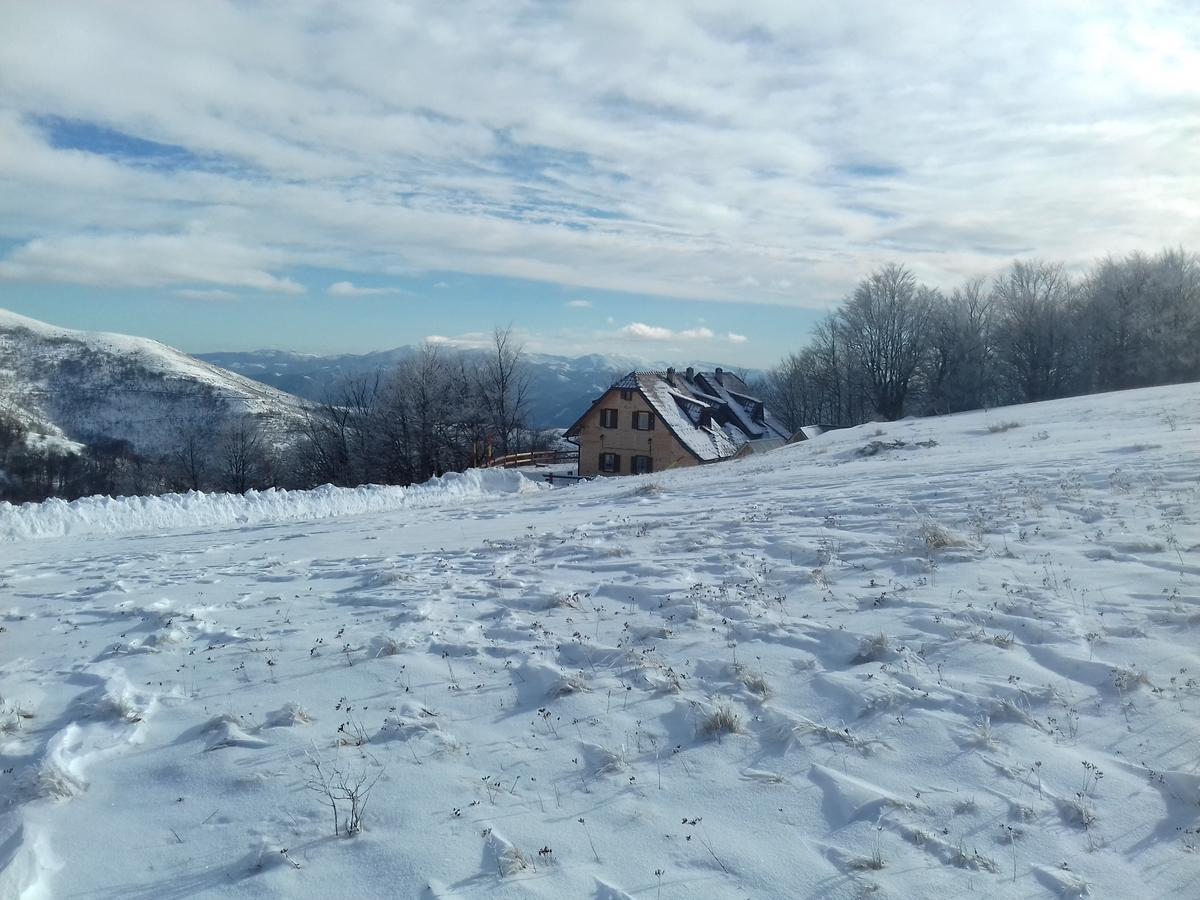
(659, 444)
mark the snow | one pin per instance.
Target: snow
(930, 658)
(196, 509)
(78, 384)
(708, 444)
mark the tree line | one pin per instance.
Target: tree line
(435, 412)
(896, 347)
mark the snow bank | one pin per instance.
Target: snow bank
(195, 509)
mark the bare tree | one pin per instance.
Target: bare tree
(789, 391)
(339, 438)
(1035, 339)
(240, 453)
(958, 371)
(419, 415)
(885, 327)
(191, 455)
(503, 385)
(1174, 312)
(12, 432)
(1117, 321)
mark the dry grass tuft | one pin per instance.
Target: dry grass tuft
(722, 720)
(754, 682)
(873, 649)
(934, 537)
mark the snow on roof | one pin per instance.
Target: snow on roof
(631, 381)
(763, 444)
(704, 402)
(742, 407)
(808, 432)
(708, 443)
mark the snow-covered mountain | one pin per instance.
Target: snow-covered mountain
(79, 386)
(561, 387)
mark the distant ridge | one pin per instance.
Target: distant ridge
(561, 387)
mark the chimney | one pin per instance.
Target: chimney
(690, 374)
(671, 374)
(719, 374)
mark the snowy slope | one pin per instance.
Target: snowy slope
(89, 384)
(932, 658)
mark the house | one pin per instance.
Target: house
(653, 421)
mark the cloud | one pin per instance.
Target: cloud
(218, 294)
(468, 340)
(667, 152)
(639, 331)
(146, 260)
(349, 289)
(578, 304)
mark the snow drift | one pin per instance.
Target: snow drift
(196, 509)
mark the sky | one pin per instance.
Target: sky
(669, 180)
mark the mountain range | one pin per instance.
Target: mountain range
(560, 387)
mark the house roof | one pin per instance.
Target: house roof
(749, 413)
(712, 413)
(807, 433)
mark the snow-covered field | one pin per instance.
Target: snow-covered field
(963, 662)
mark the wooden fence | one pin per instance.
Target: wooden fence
(535, 458)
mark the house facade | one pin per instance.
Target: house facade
(655, 421)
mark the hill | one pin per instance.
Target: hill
(927, 658)
(81, 387)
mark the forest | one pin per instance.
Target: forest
(896, 347)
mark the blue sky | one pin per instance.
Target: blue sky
(670, 180)
(444, 307)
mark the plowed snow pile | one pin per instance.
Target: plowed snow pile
(930, 658)
(196, 509)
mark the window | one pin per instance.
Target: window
(608, 418)
(643, 421)
(641, 465)
(610, 462)
(626, 395)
